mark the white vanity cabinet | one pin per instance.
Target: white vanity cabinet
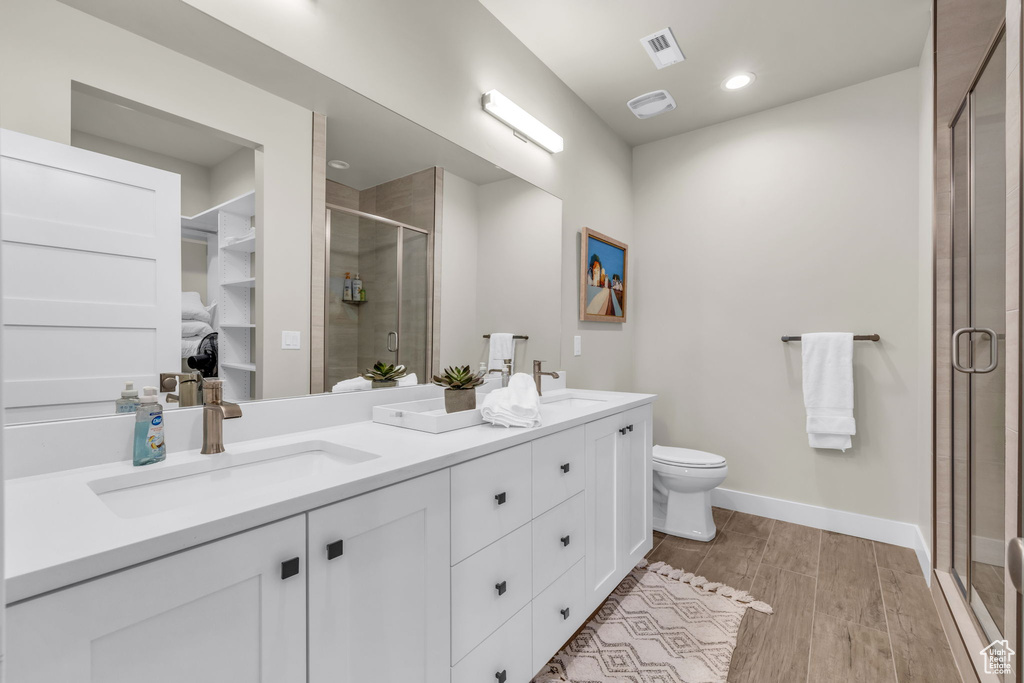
(232, 610)
(379, 601)
(619, 503)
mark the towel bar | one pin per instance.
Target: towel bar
(856, 337)
(514, 336)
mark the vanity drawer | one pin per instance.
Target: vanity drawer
(490, 497)
(558, 462)
(557, 613)
(509, 650)
(490, 587)
(559, 537)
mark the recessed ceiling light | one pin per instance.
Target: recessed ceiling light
(338, 164)
(737, 81)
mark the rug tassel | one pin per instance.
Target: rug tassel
(742, 597)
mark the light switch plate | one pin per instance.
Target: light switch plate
(577, 346)
(290, 340)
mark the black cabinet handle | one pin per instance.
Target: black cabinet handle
(565, 613)
(500, 498)
(565, 540)
(630, 428)
(565, 468)
(336, 549)
(289, 568)
(500, 587)
(623, 430)
(500, 676)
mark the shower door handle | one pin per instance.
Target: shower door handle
(392, 341)
(954, 351)
(993, 352)
(1015, 562)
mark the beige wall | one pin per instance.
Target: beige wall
(44, 45)
(451, 52)
(194, 268)
(233, 177)
(799, 219)
(459, 269)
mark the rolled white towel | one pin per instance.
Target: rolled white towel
(517, 405)
(408, 381)
(354, 384)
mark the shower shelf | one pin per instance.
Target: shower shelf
(355, 303)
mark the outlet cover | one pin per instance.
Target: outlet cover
(577, 345)
(291, 340)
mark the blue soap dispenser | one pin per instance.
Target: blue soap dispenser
(149, 444)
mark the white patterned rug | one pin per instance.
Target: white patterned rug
(660, 625)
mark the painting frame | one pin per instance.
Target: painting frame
(616, 287)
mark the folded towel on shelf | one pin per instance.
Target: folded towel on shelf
(517, 405)
(361, 384)
(828, 389)
(503, 347)
(194, 328)
(192, 308)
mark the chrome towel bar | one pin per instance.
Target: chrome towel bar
(856, 337)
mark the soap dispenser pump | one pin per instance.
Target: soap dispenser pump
(129, 401)
(149, 444)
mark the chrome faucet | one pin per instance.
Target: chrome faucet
(537, 375)
(215, 411)
(505, 370)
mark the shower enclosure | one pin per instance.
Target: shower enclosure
(392, 322)
(978, 347)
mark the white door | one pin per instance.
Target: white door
(605, 528)
(638, 485)
(219, 612)
(91, 267)
(379, 593)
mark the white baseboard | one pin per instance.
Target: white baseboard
(902, 534)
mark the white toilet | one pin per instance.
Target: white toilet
(683, 479)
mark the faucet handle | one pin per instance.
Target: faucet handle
(213, 390)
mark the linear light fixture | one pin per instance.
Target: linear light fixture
(521, 121)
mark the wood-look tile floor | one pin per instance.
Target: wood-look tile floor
(846, 609)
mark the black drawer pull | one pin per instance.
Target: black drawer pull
(336, 549)
(500, 676)
(500, 587)
(500, 498)
(565, 613)
(289, 568)
(630, 427)
(565, 540)
(565, 468)
(623, 431)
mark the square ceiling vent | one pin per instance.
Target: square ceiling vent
(662, 48)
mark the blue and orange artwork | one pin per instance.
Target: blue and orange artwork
(606, 284)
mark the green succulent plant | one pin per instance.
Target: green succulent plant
(456, 377)
(384, 372)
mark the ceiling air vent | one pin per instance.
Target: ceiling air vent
(663, 48)
(651, 104)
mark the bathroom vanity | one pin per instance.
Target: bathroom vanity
(352, 553)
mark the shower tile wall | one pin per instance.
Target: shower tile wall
(342, 318)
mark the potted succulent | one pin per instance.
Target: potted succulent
(384, 374)
(459, 388)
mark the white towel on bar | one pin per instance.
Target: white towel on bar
(828, 389)
(517, 405)
(503, 346)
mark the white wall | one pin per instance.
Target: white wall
(799, 219)
(45, 45)
(459, 269)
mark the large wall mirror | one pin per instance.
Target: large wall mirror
(315, 232)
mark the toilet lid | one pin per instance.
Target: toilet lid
(686, 456)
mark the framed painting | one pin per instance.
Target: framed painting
(603, 280)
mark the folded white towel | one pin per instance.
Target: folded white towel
(828, 389)
(503, 347)
(517, 405)
(360, 384)
(194, 328)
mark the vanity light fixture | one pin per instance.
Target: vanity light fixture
(521, 121)
(737, 81)
(338, 164)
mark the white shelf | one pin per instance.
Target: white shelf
(238, 326)
(249, 282)
(243, 205)
(248, 245)
(248, 367)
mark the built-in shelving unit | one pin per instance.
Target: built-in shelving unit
(232, 237)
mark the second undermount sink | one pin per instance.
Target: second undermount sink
(570, 399)
(221, 476)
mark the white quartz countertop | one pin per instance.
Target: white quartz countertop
(59, 532)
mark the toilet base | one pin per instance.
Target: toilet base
(686, 515)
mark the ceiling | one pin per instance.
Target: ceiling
(796, 48)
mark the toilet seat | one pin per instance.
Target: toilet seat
(687, 457)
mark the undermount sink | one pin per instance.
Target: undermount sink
(570, 400)
(149, 492)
